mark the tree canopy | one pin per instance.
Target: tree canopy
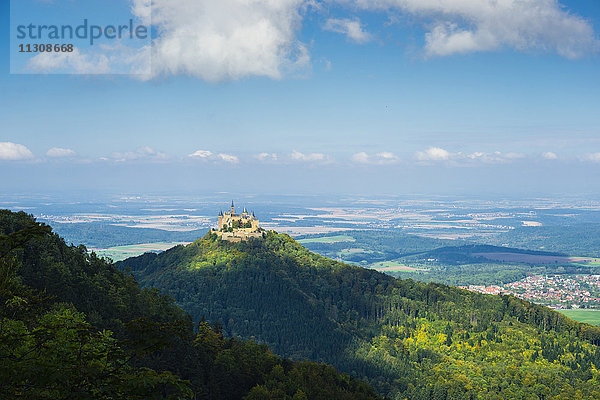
(73, 326)
(408, 339)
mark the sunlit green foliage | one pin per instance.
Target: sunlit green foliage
(409, 339)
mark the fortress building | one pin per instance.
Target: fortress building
(237, 227)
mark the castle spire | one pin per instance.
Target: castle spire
(232, 208)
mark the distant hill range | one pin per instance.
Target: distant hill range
(483, 253)
(408, 339)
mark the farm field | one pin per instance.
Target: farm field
(591, 317)
(119, 253)
(328, 239)
(394, 266)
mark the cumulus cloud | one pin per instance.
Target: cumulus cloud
(13, 152)
(294, 156)
(437, 154)
(592, 157)
(457, 27)
(494, 157)
(361, 157)
(102, 59)
(74, 62)
(267, 157)
(143, 153)
(208, 155)
(228, 158)
(59, 152)
(352, 28)
(384, 157)
(201, 154)
(226, 39)
(233, 39)
(433, 154)
(310, 157)
(548, 155)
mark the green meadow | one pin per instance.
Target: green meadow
(119, 253)
(589, 316)
(394, 265)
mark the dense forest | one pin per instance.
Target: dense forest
(376, 246)
(410, 340)
(72, 326)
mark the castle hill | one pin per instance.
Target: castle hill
(238, 227)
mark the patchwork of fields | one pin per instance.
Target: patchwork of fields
(119, 253)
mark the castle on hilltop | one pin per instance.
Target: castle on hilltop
(237, 227)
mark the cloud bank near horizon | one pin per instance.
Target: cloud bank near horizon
(15, 152)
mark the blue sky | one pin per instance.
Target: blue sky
(389, 96)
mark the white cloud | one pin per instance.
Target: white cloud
(311, 157)
(208, 155)
(362, 158)
(228, 158)
(142, 153)
(593, 157)
(464, 26)
(201, 154)
(233, 39)
(13, 151)
(548, 155)
(352, 28)
(116, 58)
(495, 157)
(436, 154)
(384, 157)
(74, 62)
(433, 154)
(57, 152)
(226, 39)
(267, 157)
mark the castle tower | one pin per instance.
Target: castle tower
(238, 227)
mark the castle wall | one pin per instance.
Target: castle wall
(227, 219)
(238, 235)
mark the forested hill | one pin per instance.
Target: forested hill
(409, 339)
(72, 326)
